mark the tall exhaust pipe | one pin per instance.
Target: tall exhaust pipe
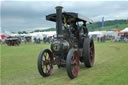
(59, 21)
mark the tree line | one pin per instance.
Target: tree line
(98, 25)
(92, 27)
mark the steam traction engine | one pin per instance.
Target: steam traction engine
(71, 47)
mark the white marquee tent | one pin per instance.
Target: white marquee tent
(41, 35)
(96, 33)
(125, 30)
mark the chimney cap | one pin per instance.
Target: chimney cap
(58, 7)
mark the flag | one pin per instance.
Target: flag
(102, 22)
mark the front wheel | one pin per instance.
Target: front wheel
(72, 63)
(45, 65)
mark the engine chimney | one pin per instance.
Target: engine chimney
(59, 21)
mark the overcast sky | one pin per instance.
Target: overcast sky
(29, 15)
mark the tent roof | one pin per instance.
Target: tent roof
(125, 30)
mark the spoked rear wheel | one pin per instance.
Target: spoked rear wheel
(72, 63)
(88, 52)
(45, 65)
(92, 52)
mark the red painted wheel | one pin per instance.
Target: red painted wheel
(45, 65)
(72, 63)
(92, 52)
(88, 52)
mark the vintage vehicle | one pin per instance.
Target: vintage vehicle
(12, 41)
(71, 47)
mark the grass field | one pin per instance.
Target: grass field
(19, 66)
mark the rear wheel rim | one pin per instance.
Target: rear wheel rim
(92, 52)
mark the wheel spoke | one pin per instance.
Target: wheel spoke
(46, 68)
(45, 56)
(73, 62)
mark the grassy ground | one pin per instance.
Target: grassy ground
(19, 66)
